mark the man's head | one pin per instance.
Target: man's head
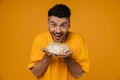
(59, 22)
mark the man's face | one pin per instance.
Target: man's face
(58, 28)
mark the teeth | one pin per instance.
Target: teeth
(58, 34)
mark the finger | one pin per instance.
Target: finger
(58, 55)
(42, 49)
(45, 50)
(61, 55)
(48, 53)
(71, 51)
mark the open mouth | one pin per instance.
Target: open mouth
(57, 37)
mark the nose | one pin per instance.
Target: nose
(58, 29)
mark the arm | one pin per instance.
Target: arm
(41, 66)
(74, 67)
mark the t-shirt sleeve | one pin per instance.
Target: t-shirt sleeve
(81, 55)
(36, 53)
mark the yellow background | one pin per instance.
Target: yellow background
(97, 20)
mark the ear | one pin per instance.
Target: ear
(69, 26)
(47, 24)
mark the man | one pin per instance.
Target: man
(47, 66)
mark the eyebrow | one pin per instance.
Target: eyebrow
(56, 23)
(52, 22)
(64, 23)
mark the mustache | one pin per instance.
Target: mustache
(57, 33)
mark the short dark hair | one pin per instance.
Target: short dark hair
(60, 11)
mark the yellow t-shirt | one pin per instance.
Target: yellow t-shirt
(57, 69)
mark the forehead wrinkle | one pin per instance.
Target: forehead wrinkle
(57, 20)
(59, 23)
(52, 22)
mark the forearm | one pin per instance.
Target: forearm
(41, 66)
(73, 67)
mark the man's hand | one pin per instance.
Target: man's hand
(41, 66)
(47, 52)
(67, 53)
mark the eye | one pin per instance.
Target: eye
(64, 25)
(53, 25)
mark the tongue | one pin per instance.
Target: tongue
(57, 37)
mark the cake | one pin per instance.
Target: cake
(58, 48)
